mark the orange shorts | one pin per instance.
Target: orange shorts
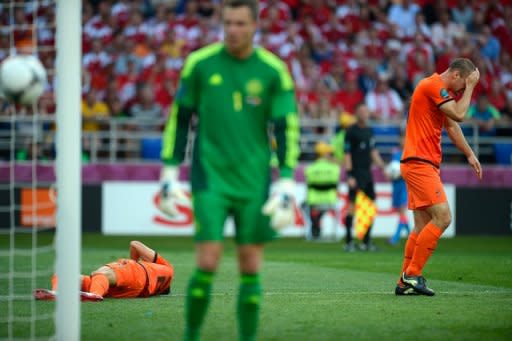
(131, 279)
(424, 186)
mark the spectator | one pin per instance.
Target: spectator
(164, 95)
(506, 117)
(421, 26)
(463, 14)
(93, 111)
(350, 95)
(146, 112)
(401, 84)
(97, 59)
(484, 115)
(421, 46)
(368, 77)
(334, 78)
(173, 48)
(444, 31)
(124, 53)
(98, 27)
(496, 94)
(419, 68)
(126, 83)
(158, 26)
(403, 14)
(208, 8)
(488, 45)
(115, 106)
(384, 103)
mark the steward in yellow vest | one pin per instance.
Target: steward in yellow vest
(322, 177)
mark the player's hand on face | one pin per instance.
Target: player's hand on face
(475, 164)
(473, 78)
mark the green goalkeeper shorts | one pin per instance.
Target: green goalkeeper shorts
(212, 209)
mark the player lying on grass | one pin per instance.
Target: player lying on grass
(145, 274)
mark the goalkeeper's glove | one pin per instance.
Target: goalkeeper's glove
(280, 206)
(170, 193)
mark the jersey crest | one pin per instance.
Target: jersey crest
(253, 88)
(444, 93)
(215, 79)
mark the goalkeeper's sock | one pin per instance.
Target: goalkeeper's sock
(348, 226)
(410, 245)
(196, 305)
(425, 245)
(248, 309)
(99, 284)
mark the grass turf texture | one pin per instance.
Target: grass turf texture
(312, 291)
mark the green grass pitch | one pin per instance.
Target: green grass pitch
(313, 291)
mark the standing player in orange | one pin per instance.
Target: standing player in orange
(145, 274)
(432, 108)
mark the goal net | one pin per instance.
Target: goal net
(30, 149)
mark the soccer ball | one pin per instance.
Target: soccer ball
(22, 79)
(393, 170)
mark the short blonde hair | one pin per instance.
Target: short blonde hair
(463, 65)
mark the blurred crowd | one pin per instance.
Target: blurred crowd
(339, 52)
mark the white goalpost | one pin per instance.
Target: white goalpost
(40, 151)
(68, 167)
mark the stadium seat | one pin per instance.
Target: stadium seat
(150, 148)
(503, 152)
(386, 135)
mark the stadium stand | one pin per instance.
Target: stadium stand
(503, 153)
(132, 46)
(151, 148)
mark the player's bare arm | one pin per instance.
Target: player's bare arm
(457, 110)
(457, 137)
(377, 159)
(139, 250)
(351, 181)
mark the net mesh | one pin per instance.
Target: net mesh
(27, 205)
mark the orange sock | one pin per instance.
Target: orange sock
(410, 245)
(99, 284)
(55, 281)
(86, 283)
(425, 245)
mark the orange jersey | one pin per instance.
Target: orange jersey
(425, 121)
(160, 275)
(141, 278)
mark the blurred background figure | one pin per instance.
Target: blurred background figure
(399, 193)
(485, 115)
(384, 102)
(360, 153)
(322, 178)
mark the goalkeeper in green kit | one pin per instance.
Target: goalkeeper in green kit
(239, 93)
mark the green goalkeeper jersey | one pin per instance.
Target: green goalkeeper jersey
(236, 101)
